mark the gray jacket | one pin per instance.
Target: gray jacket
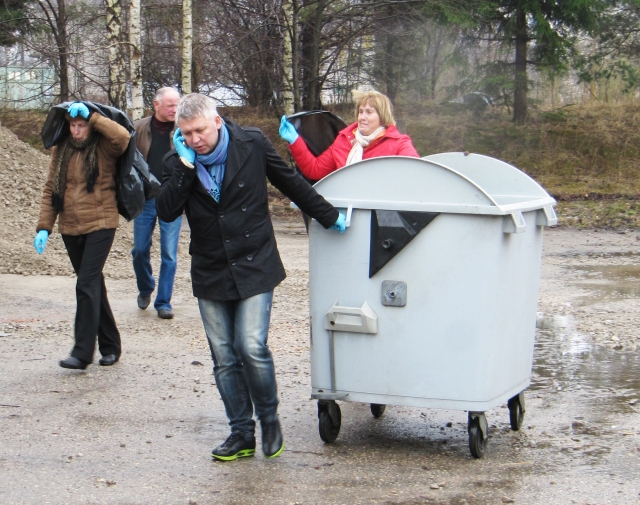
(143, 135)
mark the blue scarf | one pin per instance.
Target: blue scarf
(211, 166)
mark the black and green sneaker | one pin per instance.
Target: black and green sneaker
(234, 447)
(272, 441)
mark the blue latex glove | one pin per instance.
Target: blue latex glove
(340, 224)
(287, 130)
(41, 241)
(78, 109)
(182, 149)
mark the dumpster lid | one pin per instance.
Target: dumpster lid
(459, 183)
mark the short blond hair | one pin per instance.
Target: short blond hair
(196, 105)
(379, 102)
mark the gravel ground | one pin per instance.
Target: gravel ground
(140, 432)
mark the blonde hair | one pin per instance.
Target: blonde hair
(378, 101)
(196, 105)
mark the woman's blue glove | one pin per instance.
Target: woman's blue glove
(340, 224)
(41, 241)
(78, 108)
(288, 131)
(182, 149)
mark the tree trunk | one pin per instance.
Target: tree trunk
(57, 21)
(287, 57)
(187, 45)
(117, 66)
(135, 60)
(521, 81)
(311, 35)
(63, 50)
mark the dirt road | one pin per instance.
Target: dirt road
(141, 432)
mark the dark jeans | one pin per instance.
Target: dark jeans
(88, 254)
(243, 366)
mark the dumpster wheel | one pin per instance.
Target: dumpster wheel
(516, 411)
(478, 434)
(377, 409)
(329, 420)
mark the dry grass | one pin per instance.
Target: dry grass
(585, 155)
(572, 152)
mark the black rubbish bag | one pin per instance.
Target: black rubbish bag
(134, 182)
(318, 128)
(150, 181)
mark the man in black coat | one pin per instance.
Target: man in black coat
(218, 175)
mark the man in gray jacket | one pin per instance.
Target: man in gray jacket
(154, 139)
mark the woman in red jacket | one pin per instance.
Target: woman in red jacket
(374, 134)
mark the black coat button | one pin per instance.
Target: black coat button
(246, 234)
(233, 263)
(241, 184)
(227, 239)
(250, 258)
(244, 208)
(221, 214)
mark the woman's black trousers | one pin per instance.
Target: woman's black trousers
(88, 254)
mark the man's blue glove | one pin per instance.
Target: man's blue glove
(182, 149)
(41, 241)
(78, 109)
(340, 224)
(288, 131)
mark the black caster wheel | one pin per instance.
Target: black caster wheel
(377, 409)
(477, 434)
(329, 421)
(516, 411)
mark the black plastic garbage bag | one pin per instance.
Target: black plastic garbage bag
(151, 183)
(134, 183)
(318, 128)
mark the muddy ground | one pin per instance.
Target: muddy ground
(141, 432)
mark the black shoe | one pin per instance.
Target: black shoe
(109, 359)
(272, 441)
(74, 363)
(143, 301)
(234, 447)
(165, 314)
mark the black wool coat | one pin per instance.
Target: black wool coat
(233, 247)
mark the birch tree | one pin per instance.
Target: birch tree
(290, 57)
(187, 45)
(135, 60)
(117, 69)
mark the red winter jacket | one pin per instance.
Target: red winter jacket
(392, 143)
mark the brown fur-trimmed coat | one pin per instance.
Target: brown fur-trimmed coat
(85, 212)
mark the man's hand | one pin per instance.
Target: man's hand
(182, 149)
(78, 109)
(287, 131)
(41, 241)
(340, 224)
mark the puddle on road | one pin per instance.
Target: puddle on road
(609, 282)
(565, 362)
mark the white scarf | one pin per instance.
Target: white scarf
(361, 142)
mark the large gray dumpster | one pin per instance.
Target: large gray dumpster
(429, 298)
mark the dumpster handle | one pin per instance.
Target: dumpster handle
(348, 216)
(351, 319)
